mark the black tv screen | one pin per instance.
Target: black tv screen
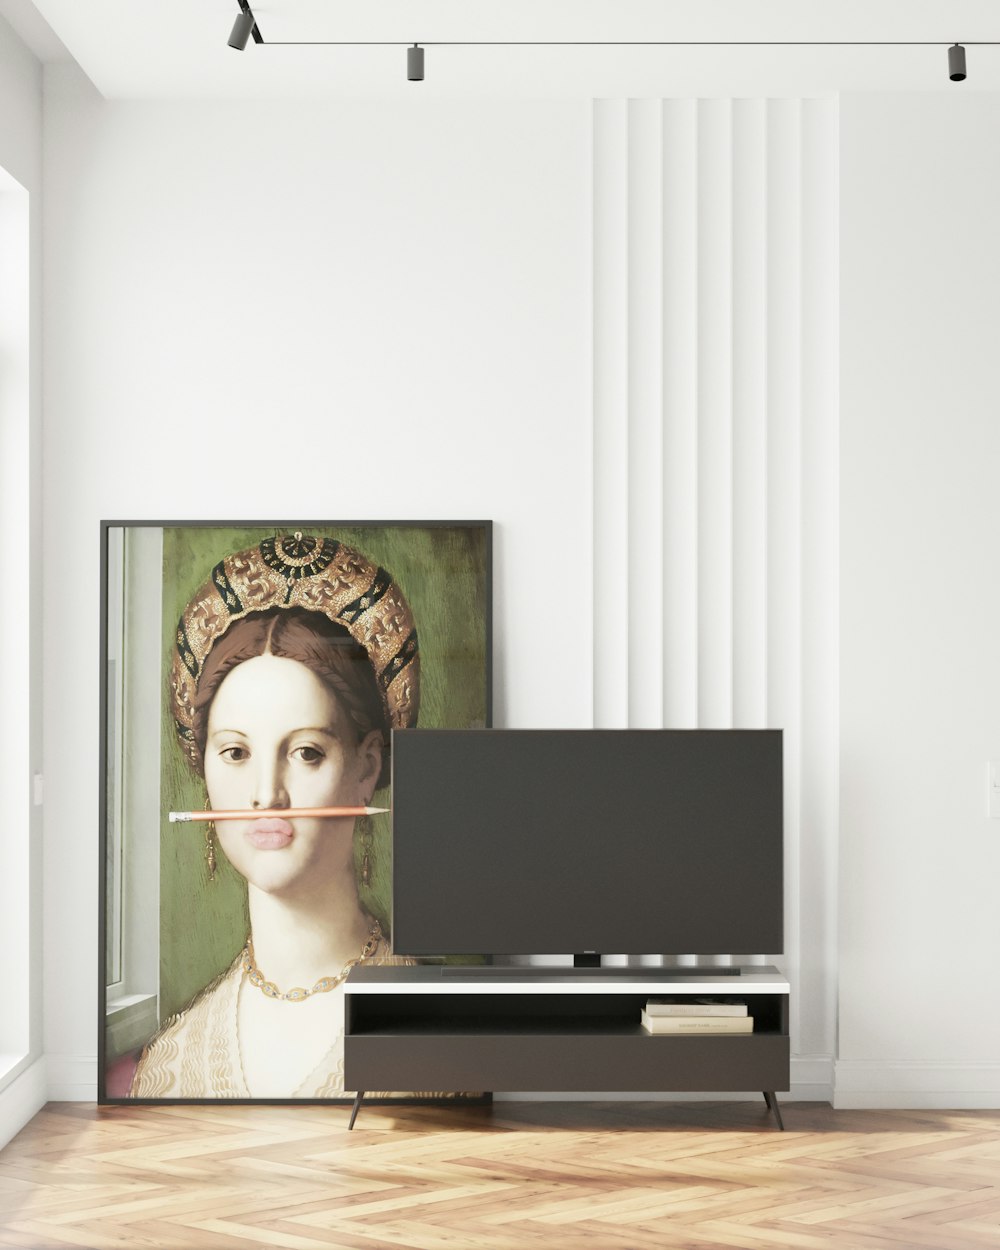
(551, 842)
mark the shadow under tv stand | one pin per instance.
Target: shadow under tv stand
(567, 1029)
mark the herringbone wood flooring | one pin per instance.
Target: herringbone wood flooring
(557, 1176)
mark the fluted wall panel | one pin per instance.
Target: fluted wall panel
(645, 411)
(610, 427)
(715, 414)
(715, 451)
(679, 347)
(749, 392)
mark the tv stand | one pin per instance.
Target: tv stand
(448, 1028)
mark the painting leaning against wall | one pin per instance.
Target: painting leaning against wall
(259, 669)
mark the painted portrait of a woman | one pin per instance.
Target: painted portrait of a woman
(292, 663)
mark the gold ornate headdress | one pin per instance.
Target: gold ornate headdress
(319, 575)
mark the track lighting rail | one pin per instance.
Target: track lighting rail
(625, 43)
(415, 51)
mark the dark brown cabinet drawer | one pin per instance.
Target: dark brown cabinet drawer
(581, 1062)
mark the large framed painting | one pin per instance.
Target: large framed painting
(252, 676)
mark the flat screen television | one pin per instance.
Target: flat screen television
(553, 842)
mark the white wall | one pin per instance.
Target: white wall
(263, 311)
(920, 664)
(270, 311)
(21, 110)
(380, 311)
(22, 1085)
(715, 484)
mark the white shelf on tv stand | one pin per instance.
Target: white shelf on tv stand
(531, 1029)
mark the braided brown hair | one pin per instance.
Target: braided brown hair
(314, 640)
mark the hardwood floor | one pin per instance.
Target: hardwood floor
(557, 1176)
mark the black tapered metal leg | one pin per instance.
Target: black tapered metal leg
(357, 1105)
(771, 1098)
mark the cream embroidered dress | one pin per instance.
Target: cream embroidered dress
(196, 1054)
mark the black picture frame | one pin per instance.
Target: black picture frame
(476, 536)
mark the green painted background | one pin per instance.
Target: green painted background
(443, 572)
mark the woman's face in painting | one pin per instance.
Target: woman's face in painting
(278, 737)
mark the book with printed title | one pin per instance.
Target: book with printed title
(695, 1007)
(697, 1024)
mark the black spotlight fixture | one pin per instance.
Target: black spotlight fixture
(242, 30)
(956, 63)
(415, 63)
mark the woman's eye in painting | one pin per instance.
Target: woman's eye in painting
(234, 754)
(308, 754)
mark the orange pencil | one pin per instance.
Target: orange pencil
(275, 812)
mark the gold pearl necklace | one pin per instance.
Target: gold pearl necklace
(323, 986)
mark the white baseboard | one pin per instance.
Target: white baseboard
(22, 1099)
(931, 1086)
(72, 1078)
(812, 1078)
(847, 1084)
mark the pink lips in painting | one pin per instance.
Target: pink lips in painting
(270, 834)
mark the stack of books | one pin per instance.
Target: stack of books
(696, 1015)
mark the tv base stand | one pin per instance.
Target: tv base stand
(430, 1027)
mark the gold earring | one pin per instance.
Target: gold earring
(210, 849)
(367, 855)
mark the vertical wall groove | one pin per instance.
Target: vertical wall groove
(715, 441)
(610, 413)
(749, 399)
(645, 413)
(679, 350)
(715, 414)
(820, 553)
(784, 411)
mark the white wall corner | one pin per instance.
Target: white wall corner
(938, 1086)
(72, 1078)
(22, 1099)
